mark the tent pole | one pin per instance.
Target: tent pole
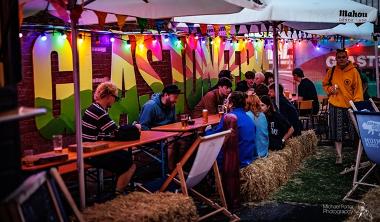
(377, 67)
(275, 63)
(78, 115)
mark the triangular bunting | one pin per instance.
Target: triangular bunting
(121, 21)
(190, 27)
(142, 22)
(237, 29)
(216, 29)
(248, 27)
(228, 30)
(203, 29)
(101, 18)
(159, 23)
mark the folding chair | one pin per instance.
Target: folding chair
(38, 199)
(305, 109)
(367, 105)
(367, 125)
(207, 149)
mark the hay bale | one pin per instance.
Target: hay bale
(139, 206)
(369, 211)
(265, 175)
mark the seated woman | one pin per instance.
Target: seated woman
(279, 128)
(245, 127)
(253, 108)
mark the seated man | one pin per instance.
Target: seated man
(259, 79)
(222, 74)
(97, 125)
(245, 127)
(287, 109)
(248, 83)
(212, 99)
(160, 109)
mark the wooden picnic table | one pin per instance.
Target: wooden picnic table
(198, 124)
(146, 137)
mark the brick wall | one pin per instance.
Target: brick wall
(101, 67)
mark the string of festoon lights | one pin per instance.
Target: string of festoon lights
(182, 39)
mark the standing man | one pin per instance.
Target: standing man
(212, 99)
(97, 125)
(160, 109)
(342, 84)
(306, 89)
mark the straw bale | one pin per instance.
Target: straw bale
(138, 206)
(265, 175)
(369, 211)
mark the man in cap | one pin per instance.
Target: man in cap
(160, 109)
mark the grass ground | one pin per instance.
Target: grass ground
(318, 181)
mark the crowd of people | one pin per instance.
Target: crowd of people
(262, 126)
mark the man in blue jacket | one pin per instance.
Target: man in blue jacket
(160, 109)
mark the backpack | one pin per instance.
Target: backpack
(127, 133)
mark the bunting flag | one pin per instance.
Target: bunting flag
(228, 30)
(237, 29)
(190, 27)
(216, 29)
(298, 33)
(286, 30)
(259, 29)
(267, 26)
(101, 18)
(248, 27)
(159, 24)
(75, 13)
(291, 32)
(203, 29)
(314, 42)
(121, 21)
(142, 22)
(60, 7)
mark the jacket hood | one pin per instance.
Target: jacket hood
(156, 97)
(349, 67)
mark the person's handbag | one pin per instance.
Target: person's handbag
(128, 133)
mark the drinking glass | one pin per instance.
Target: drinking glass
(220, 110)
(27, 157)
(184, 118)
(57, 143)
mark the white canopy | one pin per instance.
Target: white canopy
(139, 8)
(363, 31)
(299, 14)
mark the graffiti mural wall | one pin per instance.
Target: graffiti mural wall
(191, 63)
(142, 64)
